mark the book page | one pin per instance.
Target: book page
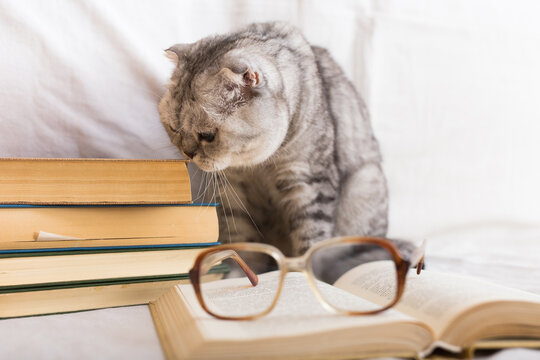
(298, 311)
(432, 297)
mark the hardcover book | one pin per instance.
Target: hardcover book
(45, 227)
(437, 310)
(87, 295)
(24, 272)
(93, 181)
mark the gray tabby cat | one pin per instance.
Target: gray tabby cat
(280, 120)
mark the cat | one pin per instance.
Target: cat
(284, 134)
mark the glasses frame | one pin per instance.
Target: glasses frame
(303, 264)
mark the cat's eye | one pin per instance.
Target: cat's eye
(208, 137)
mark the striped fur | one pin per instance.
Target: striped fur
(283, 134)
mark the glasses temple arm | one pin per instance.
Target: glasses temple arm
(226, 254)
(417, 257)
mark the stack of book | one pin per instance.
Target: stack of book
(79, 234)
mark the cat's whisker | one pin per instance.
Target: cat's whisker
(241, 204)
(154, 93)
(206, 182)
(208, 201)
(202, 182)
(203, 195)
(274, 162)
(170, 146)
(223, 204)
(213, 198)
(232, 214)
(226, 187)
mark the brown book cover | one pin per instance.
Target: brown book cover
(70, 299)
(77, 227)
(93, 181)
(39, 271)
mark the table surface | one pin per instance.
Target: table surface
(128, 332)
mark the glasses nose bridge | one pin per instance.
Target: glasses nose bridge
(295, 263)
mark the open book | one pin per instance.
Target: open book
(436, 310)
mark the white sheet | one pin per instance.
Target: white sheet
(452, 88)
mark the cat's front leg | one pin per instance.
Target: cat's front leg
(309, 204)
(363, 209)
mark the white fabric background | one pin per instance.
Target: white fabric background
(452, 86)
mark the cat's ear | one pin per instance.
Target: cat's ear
(245, 78)
(251, 78)
(177, 52)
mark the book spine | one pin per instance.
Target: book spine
(93, 181)
(50, 228)
(100, 249)
(31, 303)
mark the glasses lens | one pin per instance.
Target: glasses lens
(251, 275)
(365, 275)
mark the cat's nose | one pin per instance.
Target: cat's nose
(190, 154)
(208, 137)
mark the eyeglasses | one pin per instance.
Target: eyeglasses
(374, 265)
